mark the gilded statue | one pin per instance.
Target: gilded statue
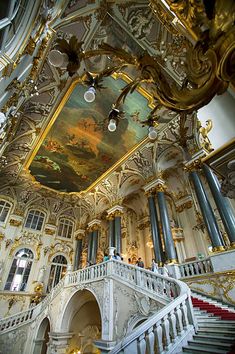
(203, 135)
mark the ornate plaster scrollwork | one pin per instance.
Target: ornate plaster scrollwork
(28, 238)
(143, 304)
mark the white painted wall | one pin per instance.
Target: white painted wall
(221, 110)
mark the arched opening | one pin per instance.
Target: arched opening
(42, 338)
(82, 317)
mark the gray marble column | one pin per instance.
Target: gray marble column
(224, 208)
(94, 246)
(157, 243)
(89, 249)
(78, 253)
(207, 213)
(111, 232)
(117, 233)
(166, 228)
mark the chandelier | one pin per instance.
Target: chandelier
(210, 62)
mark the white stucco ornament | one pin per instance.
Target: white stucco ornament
(143, 304)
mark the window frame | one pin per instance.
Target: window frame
(17, 269)
(8, 211)
(35, 220)
(56, 271)
(66, 223)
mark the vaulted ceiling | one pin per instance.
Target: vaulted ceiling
(58, 137)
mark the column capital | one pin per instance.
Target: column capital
(93, 225)
(196, 161)
(184, 203)
(157, 184)
(61, 337)
(79, 234)
(116, 210)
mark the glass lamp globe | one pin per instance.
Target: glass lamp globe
(89, 95)
(56, 58)
(2, 118)
(152, 133)
(112, 125)
(65, 61)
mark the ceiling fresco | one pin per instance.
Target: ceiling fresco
(79, 149)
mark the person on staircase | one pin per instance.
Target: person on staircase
(140, 263)
(154, 266)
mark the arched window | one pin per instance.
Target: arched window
(58, 270)
(4, 209)
(34, 220)
(65, 228)
(20, 269)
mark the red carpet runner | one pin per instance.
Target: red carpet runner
(217, 311)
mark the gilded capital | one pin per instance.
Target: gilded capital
(93, 225)
(160, 187)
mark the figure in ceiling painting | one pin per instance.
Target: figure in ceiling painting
(79, 148)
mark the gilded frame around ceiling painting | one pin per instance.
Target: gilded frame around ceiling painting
(43, 135)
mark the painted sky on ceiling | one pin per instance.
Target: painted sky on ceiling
(78, 149)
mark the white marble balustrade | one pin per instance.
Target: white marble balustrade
(163, 332)
(168, 321)
(199, 267)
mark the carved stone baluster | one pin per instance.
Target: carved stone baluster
(150, 341)
(179, 323)
(166, 331)
(141, 344)
(196, 267)
(139, 280)
(182, 271)
(184, 314)
(191, 271)
(172, 320)
(204, 267)
(187, 270)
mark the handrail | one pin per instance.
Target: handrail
(159, 330)
(30, 314)
(154, 284)
(197, 267)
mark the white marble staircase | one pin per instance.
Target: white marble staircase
(214, 335)
(164, 331)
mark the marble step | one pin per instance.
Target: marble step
(216, 321)
(206, 337)
(203, 350)
(219, 325)
(209, 343)
(219, 331)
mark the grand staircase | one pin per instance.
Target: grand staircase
(177, 327)
(164, 330)
(216, 327)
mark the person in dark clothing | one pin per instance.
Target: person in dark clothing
(140, 263)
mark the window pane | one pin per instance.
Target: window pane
(19, 272)
(34, 220)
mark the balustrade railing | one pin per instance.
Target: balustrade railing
(160, 333)
(199, 267)
(27, 316)
(168, 288)
(87, 274)
(147, 280)
(16, 320)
